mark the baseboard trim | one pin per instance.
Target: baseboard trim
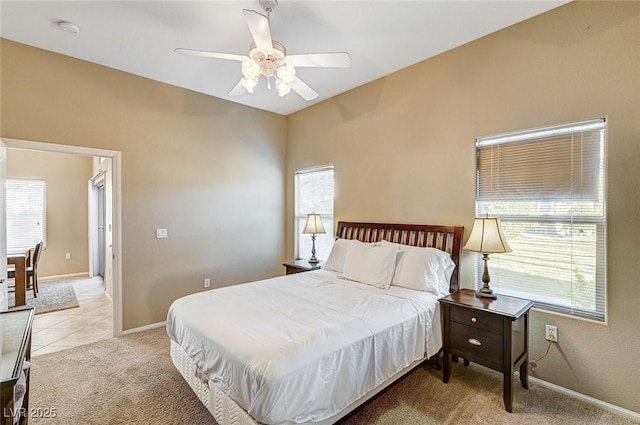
(587, 399)
(144, 328)
(63, 276)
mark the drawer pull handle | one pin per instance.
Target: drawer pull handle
(474, 320)
(474, 341)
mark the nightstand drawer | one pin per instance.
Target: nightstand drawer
(476, 345)
(477, 319)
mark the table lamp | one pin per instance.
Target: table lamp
(313, 227)
(487, 237)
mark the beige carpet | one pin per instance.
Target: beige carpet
(131, 380)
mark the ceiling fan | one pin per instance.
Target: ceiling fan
(269, 58)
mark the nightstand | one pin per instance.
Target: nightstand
(491, 332)
(300, 266)
(15, 340)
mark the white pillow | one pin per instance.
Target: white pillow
(370, 264)
(422, 268)
(338, 255)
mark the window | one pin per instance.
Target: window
(26, 218)
(548, 188)
(314, 194)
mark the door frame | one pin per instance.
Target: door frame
(3, 240)
(95, 183)
(116, 157)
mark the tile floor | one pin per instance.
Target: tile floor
(90, 322)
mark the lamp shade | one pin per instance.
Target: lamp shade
(314, 225)
(487, 237)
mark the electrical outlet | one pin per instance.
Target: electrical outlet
(67, 256)
(207, 283)
(551, 333)
(161, 233)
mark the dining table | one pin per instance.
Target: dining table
(19, 260)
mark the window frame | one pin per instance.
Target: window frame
(300, 216)
(600, 221)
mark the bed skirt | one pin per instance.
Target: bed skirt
(226, 412)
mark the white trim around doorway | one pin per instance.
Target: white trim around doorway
(117, 208)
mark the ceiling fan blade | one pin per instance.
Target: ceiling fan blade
(329, 60)
(204, 54)
(260, 31)
(303, 89)
(237, 90)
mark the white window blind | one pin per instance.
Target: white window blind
(26, 213)
(314, 189)
(548, 188)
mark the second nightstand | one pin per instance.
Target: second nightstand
(490, 332)
(299, 266)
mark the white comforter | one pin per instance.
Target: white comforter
(301, 348)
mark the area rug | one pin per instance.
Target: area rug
(53, 296)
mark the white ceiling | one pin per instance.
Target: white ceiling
(139, 37)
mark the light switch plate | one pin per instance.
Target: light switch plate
(161, 233)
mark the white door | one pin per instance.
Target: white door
(3, 231)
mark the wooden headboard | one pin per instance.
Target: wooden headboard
(445, 238)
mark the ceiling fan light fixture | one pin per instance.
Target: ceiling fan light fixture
(249, 83)
(283, 88)
(286, 72)
(269, 58)
(250, 69)
(285, 76)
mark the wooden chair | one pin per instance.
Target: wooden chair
(32, 272)
(33, 257)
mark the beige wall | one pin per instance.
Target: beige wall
(403, 149)
(67, 206)
(213, 172)
(208, 170)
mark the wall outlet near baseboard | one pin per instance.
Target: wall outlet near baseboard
(67, 256)
(551, 333)
(207, 283)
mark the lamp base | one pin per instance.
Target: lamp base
(481, 294)
(313, 260)
(485, 291)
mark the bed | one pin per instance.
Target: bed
(312, 347)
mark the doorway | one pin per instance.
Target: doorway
(100, 229)
(97, 222)
(111, 248)
(101, 222)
